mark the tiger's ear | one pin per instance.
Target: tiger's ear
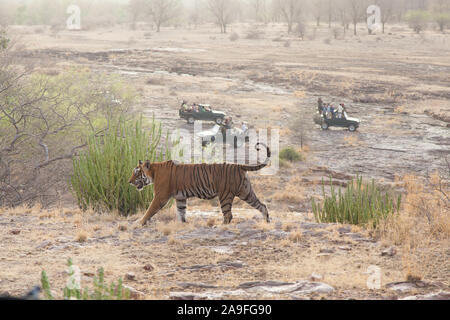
(147, 164)
(140, 162)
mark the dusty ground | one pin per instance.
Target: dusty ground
(396, 83)
(202, 257)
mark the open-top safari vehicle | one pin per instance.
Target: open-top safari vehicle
(234, 136)
(344, 121)
(200, 112)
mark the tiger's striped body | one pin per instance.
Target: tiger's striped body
(204, 181)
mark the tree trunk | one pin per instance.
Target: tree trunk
(354, 28)
(318, 22)
(158, 27)
(383, 26)
(289, 27)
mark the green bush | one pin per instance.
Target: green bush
(417, 19)
(101, 172)
(101, 291)
(359, 204)
(442, 19)
(290, 154)
(4, 41)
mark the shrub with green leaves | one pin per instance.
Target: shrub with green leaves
(101, 172)
(4, 40)
(101, 290)
(418, 19)
(360, 203)
(442, 19)
(290, 154)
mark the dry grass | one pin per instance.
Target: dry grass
(82, 236)
(293, 191)
(296, 236)
(352, 141)
(422, 226)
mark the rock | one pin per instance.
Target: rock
(300, 287)
(252, 284)
(186, 285)
(406, 286)
(390, 252)
(43, 244)
(134, 294)
(220, 264)
(130, 276)
(442, 295)
(315, 277)
(222, 250)
(88, 274)
(15, 231)
(326, 251)
(149, 267)
(210, 295)
(345, 248)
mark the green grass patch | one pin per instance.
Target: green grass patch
(359, 203)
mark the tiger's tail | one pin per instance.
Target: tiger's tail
(258, 166)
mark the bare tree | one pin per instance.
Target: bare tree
(387, 11)
(318, 10)
(341, 9)
(224, 11)
(163, 11)
(356, 11)
(260, 9)
(329, 11)
(136, 9)
(43, 120)
(290, 11)
(194, 13)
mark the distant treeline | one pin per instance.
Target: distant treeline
(181, 13)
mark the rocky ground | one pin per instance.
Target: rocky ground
(293, 258)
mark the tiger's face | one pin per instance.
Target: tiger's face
(139, 179)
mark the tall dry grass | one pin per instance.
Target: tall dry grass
(422, 227)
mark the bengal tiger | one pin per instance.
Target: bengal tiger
(204, 181)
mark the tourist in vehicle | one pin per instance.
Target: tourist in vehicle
(340, 111)
(184, 105)
(244, 126)
(320, 105)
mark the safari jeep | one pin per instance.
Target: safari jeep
(236, 137)
(346, 122)
(204, 113)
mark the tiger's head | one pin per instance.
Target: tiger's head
(139, 178)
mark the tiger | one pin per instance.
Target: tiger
(204, 181)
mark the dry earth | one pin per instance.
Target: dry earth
(397, 83)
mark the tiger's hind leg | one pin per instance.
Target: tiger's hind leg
(181, 210)
(248, 195)
(226, 203)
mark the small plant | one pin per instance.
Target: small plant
(290, 154)
(101, 291)
(359, 204)
(4, 40)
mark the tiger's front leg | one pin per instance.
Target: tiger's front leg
(156, 205)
